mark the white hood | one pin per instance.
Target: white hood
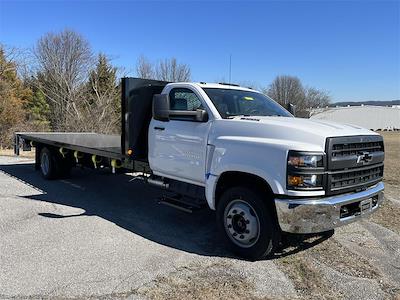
(293, 132)
(320, 127)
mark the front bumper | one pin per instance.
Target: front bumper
(312, 215)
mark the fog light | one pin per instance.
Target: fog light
(375, 201)
(304, 181)
(295, 180)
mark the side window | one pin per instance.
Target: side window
(184, 99)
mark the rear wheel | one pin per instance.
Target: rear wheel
(246, 223)
(48, 165)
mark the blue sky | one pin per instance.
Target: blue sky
(349, 48)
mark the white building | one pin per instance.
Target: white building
(367, 116)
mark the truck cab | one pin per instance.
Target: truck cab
(263, 170)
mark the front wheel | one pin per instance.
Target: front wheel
(246, 223)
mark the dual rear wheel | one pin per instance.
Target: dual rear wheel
(52, 165)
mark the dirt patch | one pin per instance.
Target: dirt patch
(212, 281)
(337, 257)
(307, 279)
(325, 255)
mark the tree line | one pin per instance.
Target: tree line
(62, 85)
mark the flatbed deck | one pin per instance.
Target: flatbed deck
(93, 143)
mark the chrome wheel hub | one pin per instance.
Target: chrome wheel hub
(241, 223)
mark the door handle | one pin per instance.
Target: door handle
(159, 128)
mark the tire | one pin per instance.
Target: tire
(246, 224)
(48, 164)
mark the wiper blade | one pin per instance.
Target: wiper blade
(235, 116)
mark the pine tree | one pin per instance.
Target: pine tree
(36, 105)
(39, 110)
(102, 103)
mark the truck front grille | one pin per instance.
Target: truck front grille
(353, 179)
(354, 163)
(340, 150)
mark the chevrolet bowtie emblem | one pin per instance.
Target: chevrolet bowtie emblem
(363, 157)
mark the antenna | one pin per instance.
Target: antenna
(230, 68)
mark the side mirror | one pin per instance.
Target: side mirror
(201, 115)
(161, 107)
(291, 108)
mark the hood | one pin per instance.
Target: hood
(306, 133)
(319, 127)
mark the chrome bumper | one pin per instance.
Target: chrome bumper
(312, 215)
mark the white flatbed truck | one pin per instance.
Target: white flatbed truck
(234, 150)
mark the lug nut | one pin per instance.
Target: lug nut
(234, 234)
(242, 236)
(247, 231)
(247, 221)
(229, 226)
(229, 216)
(234, 211)
(242, 213)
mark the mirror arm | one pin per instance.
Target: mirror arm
(182, 113)
(199, 115)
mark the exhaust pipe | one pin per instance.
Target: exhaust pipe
(158, 183)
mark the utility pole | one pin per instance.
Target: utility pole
(230, 68)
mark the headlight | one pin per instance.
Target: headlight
(297, 159)
(305, 170)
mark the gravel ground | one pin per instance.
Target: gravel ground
(97, 235)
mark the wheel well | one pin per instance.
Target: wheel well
(234, 178)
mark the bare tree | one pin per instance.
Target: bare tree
(63, 61)
(171, 70)
(144, 68)
(287, 89)
(166, 70)
(316, 98)
(17, 59)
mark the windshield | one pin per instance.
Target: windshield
(231, 102)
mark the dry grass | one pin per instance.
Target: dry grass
(392, 157)
(10, 152)
(336, 256)
(212, 281)
(388, 214)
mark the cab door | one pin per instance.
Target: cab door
(177, 148)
